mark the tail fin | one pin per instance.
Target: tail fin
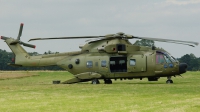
(20, 54)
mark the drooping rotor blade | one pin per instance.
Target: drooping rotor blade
(20, 31)
(190, 43)
(81, 37)
(96, 39)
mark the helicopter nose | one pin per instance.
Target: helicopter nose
(182, 68)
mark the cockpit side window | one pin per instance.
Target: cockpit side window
(159, 58)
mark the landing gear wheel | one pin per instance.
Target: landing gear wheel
(95, 81)
(169, 81)
(107, 81)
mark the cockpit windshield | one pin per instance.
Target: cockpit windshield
(174, 59)
(164, 57)
(167, 59)
(171, 57)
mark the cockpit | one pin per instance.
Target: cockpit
(164, 57)
(168, 61)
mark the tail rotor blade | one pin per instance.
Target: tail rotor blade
(20, 31)
(17, 41)
(28, 45)
(3, 37)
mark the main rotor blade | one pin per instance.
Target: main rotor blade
(65, 38)
(190, 43)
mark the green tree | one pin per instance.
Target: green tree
(144, 42)
(192, 61)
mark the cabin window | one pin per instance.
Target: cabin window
(132, 62)
(77, 61)
(103, 63)
(89, 64)
(112, 62)
(121, 62)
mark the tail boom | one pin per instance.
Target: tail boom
(22, 58)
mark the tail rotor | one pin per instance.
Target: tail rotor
(16, 41)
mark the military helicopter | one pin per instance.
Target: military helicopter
(105, 57)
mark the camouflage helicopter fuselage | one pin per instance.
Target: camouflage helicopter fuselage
(105, 59)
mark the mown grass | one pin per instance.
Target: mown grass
(13, 75)
(39, 94)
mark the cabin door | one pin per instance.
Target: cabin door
(103, 64)
(118, 64)
(137, 63)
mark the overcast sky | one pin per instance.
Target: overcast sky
(170, 19)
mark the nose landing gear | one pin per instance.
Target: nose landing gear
(169, 81)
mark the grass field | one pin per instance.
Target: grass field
(37, 94)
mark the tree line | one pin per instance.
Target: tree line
(8, 57)
(192, 61)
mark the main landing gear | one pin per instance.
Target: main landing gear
(95, 81)
(106, 81)
(169, 81)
